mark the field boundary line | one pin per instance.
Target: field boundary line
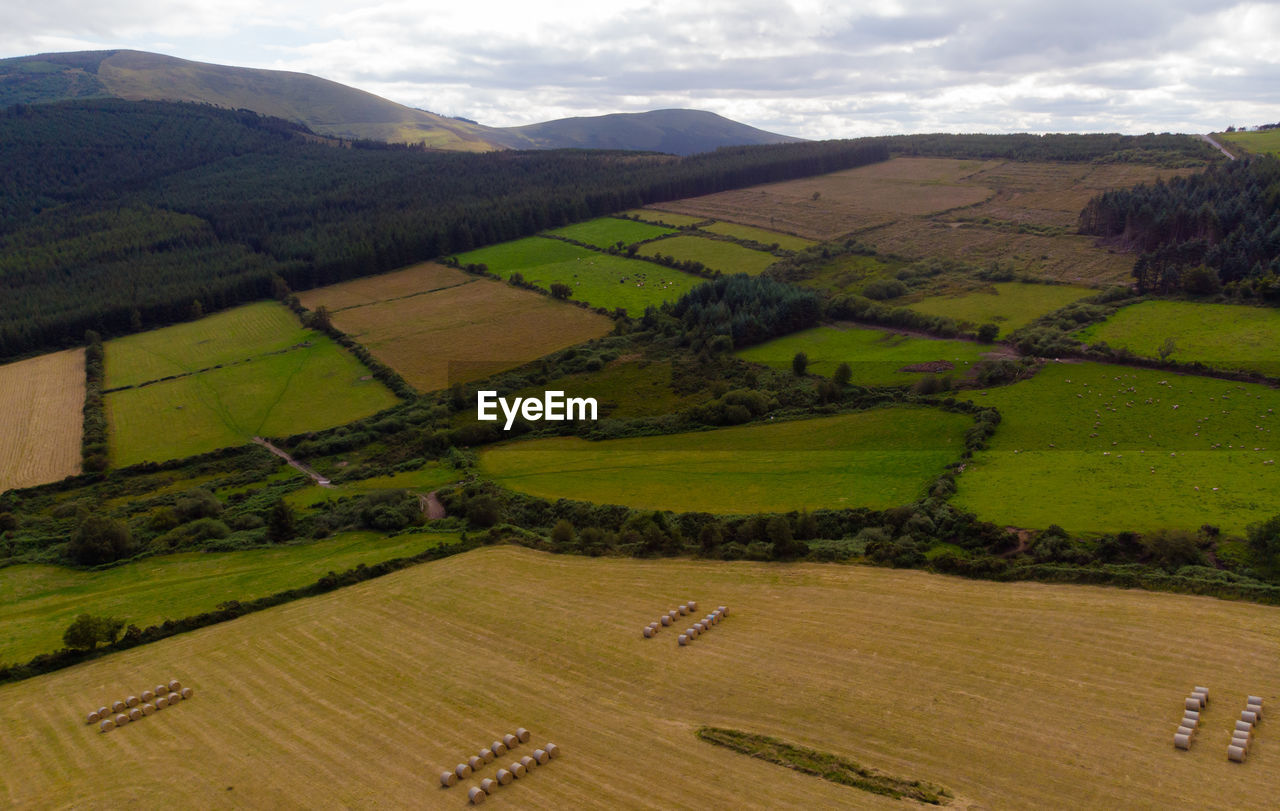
(401, 298)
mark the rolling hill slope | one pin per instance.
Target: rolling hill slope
(334, 109)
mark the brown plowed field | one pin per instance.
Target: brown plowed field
(436, 325)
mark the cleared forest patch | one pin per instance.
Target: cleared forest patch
(1020, 214)
(41, 419)
(929, 678)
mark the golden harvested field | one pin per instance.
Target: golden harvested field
(1021, 214)
(1009, 695)
(41, 418)
(414, 280)
(436, 325)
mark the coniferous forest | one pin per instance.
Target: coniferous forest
(1225, 220)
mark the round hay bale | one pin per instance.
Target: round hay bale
(148, 695)
(511, 741)
(541, 756)
(93, 717)
(135, 714)
(162, 702)
(648, 632)
(517, 768)
(475, 763)
(553, 751)
(121, 719)
(174, 698)
(1182, 741)
(486, 755)
(462, 770)
(106, 725)
(476, 795)
(692, 632)
(700, 627)
(523, 735)
(186, 693)
(148, 708)
(498, 748)
(724, 610)
(693, 605)
(132, 701)
(683, 639)
(1190, 722)
(1251, 717)
(118, 706)
(1188, 731)
(1235, 754)
(673, 613)
(1240, 739)
(161, 690)
(448, 779)
(488, 785)
(1199, 689)
(1193, 703)
(103, 712)
(174, 685)
(1244, 726)
(1201, 697)
(503, 776)
(666, 620)
(528, 762)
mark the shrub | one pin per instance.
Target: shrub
(100, 539)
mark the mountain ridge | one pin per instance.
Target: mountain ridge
(337, 110)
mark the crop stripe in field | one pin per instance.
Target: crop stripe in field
(405, 296)
(824, 765)
(179, 376)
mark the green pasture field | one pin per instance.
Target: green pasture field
(600, 279)
(306, 389)
(726, 257)
(426, 478)
(1101, 448)
(668, 218)
(603, 232)
(225, 337)
(787, 242)
(876, 357)
(879, 458)
(1223, 336)
(1010, 305)
(1263, 142)
(41, 600)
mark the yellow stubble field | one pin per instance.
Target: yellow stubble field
(1008, 695)
(41, 418)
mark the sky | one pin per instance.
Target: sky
(808, 68)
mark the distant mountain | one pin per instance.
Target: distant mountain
(682, 132)
(333, 109)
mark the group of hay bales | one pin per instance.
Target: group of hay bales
(488, 754)
(1198, 700)
(669, 618)
(1242, 735)
(701, 627)
(692, 632)
(137, 707)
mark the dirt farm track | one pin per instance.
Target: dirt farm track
(1008, 695)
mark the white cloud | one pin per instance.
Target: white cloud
(806, 67)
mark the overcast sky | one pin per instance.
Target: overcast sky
(801, 67)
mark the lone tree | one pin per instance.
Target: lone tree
(842, 375)
(799, 364)
(100, 539)
(281, 525)
(1167, 348)
(561, 290)
(988, 332)
(85, 632)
